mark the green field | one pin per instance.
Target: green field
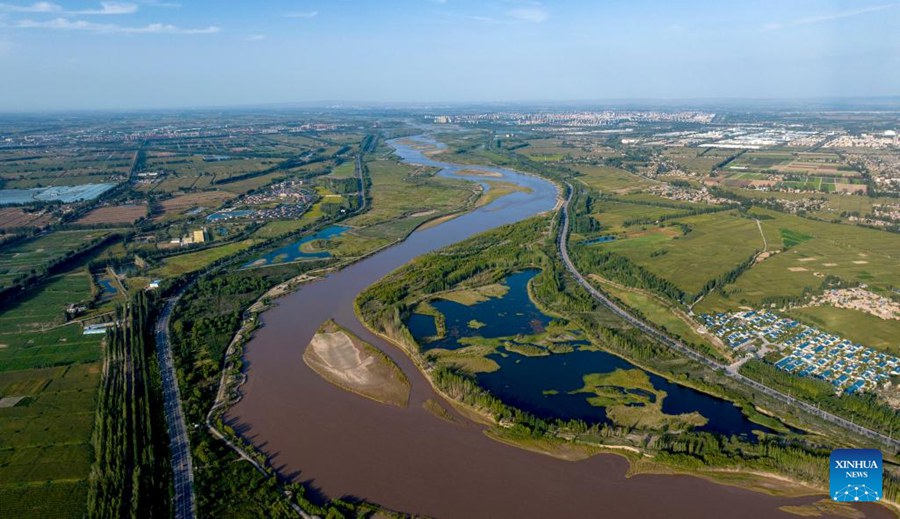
(659, 312)
(45, 449)
(344, 170)
(184, 263)
(696, 160)
(33, 255)
(402, 197)
(608, 179)
(715, 244)
(819, 250)
(857, 326)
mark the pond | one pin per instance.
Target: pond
(599, 239)
(547, 385)
(501, 317)
(294, 252)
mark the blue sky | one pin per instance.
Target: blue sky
(69, 54)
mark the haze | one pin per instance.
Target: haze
(154, 54)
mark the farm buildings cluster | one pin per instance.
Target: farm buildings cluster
(808, 351)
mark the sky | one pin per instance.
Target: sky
(146, 54)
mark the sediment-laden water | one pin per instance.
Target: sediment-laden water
(408, 459)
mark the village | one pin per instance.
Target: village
(808, 351)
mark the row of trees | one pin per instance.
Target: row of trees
(130, 476)
(865, 408)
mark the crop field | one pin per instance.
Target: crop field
(271, 145)
(715, 244)
(807, 171)
(757, 161)
(42, 167)
(696, 160)
(44, 307)
(613, 215)
(609, 179)
(13, 217)
(181, 203)
(20, 258)
(45, 438)
(127, 214)
(553, 150)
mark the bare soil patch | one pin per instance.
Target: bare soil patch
(346, 361)
(115, 214)
(181, 203)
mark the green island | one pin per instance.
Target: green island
(631, 400)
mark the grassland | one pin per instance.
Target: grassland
(473, 296)
(660, 312)
(852, 324)
(344, 170)
(45, 449)
(715, 244)
(402, 198)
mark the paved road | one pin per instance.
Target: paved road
(179, 445)
(562, 241)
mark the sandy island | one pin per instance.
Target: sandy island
(342, 358)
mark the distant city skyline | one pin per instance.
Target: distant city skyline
(148, 54)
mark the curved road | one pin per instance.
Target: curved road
(562, 241)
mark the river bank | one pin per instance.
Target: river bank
(341, 444)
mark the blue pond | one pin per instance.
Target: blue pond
(226, 215)
(512, 314)
(599, 239)
(109, 289)
(522, 381)
(292, 252)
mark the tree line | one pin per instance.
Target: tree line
(130, 476)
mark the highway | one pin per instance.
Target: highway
(179, 445)
(562, 242)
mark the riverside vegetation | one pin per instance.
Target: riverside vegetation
(488, 258)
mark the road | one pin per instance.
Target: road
(179, 445)
(362, 183)
(761, 233)
(562, 242)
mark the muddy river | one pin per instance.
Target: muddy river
(408, 459)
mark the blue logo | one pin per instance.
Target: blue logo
(856, 475)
